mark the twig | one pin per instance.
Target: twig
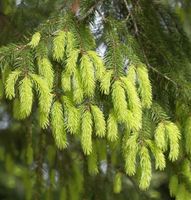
(90, 10)
(132, 17)
(144, 54)
(155, 70)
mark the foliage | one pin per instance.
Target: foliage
(98, 125)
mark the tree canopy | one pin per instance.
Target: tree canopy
(95, 100)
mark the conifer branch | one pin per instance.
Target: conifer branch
(91, 9)
(104, 103)
(131, 179)
(155, 70)
(144, 54)
(132, 17)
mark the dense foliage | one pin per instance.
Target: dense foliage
(95, 101)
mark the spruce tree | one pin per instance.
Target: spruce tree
(95, 97)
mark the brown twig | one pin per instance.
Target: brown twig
(132, 17)
(156, 70)
(90, 10)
